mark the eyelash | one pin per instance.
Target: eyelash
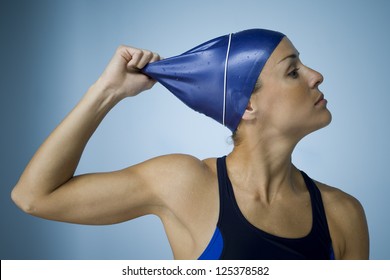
(294, 73)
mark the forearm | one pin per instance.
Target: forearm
(56, 160)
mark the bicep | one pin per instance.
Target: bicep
(101, 198)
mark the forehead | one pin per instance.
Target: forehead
(283, 50)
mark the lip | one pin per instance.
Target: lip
(320, 99)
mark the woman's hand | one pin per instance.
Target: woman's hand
(122, 76)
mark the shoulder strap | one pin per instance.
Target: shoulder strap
(320, 222)
(222, 182)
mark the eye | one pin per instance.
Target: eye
(294, 73)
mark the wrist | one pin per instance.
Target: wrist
(102, 95)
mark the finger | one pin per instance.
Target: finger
(146, 57)
(136, 56)
(156, 57)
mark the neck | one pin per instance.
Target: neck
(263, 166)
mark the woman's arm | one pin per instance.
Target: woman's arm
(355, 229)
(48, 188)
(347, 224)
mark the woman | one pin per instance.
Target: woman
(252, 204)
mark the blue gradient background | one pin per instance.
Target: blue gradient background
(52, 51)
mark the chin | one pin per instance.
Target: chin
(327, 118)
(324, 121)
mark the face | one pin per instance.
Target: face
(289, 101)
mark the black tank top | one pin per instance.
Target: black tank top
(236, 238)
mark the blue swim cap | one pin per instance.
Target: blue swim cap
(217, 78)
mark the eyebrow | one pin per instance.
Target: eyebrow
(291, 56)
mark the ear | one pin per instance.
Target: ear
(249, 113)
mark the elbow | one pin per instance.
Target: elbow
(23, 200)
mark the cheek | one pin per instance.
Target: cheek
(287, 109)
(290, 111)
(289, 102)
(297, 100)
(277, 112)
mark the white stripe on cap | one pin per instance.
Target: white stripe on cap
(225, 80)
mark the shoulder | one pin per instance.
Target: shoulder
(177, 165)
(186, 189)
(175, 173)
(168, 163)
(347, 222)
(338, 202)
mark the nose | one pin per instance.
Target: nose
(316, 78)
